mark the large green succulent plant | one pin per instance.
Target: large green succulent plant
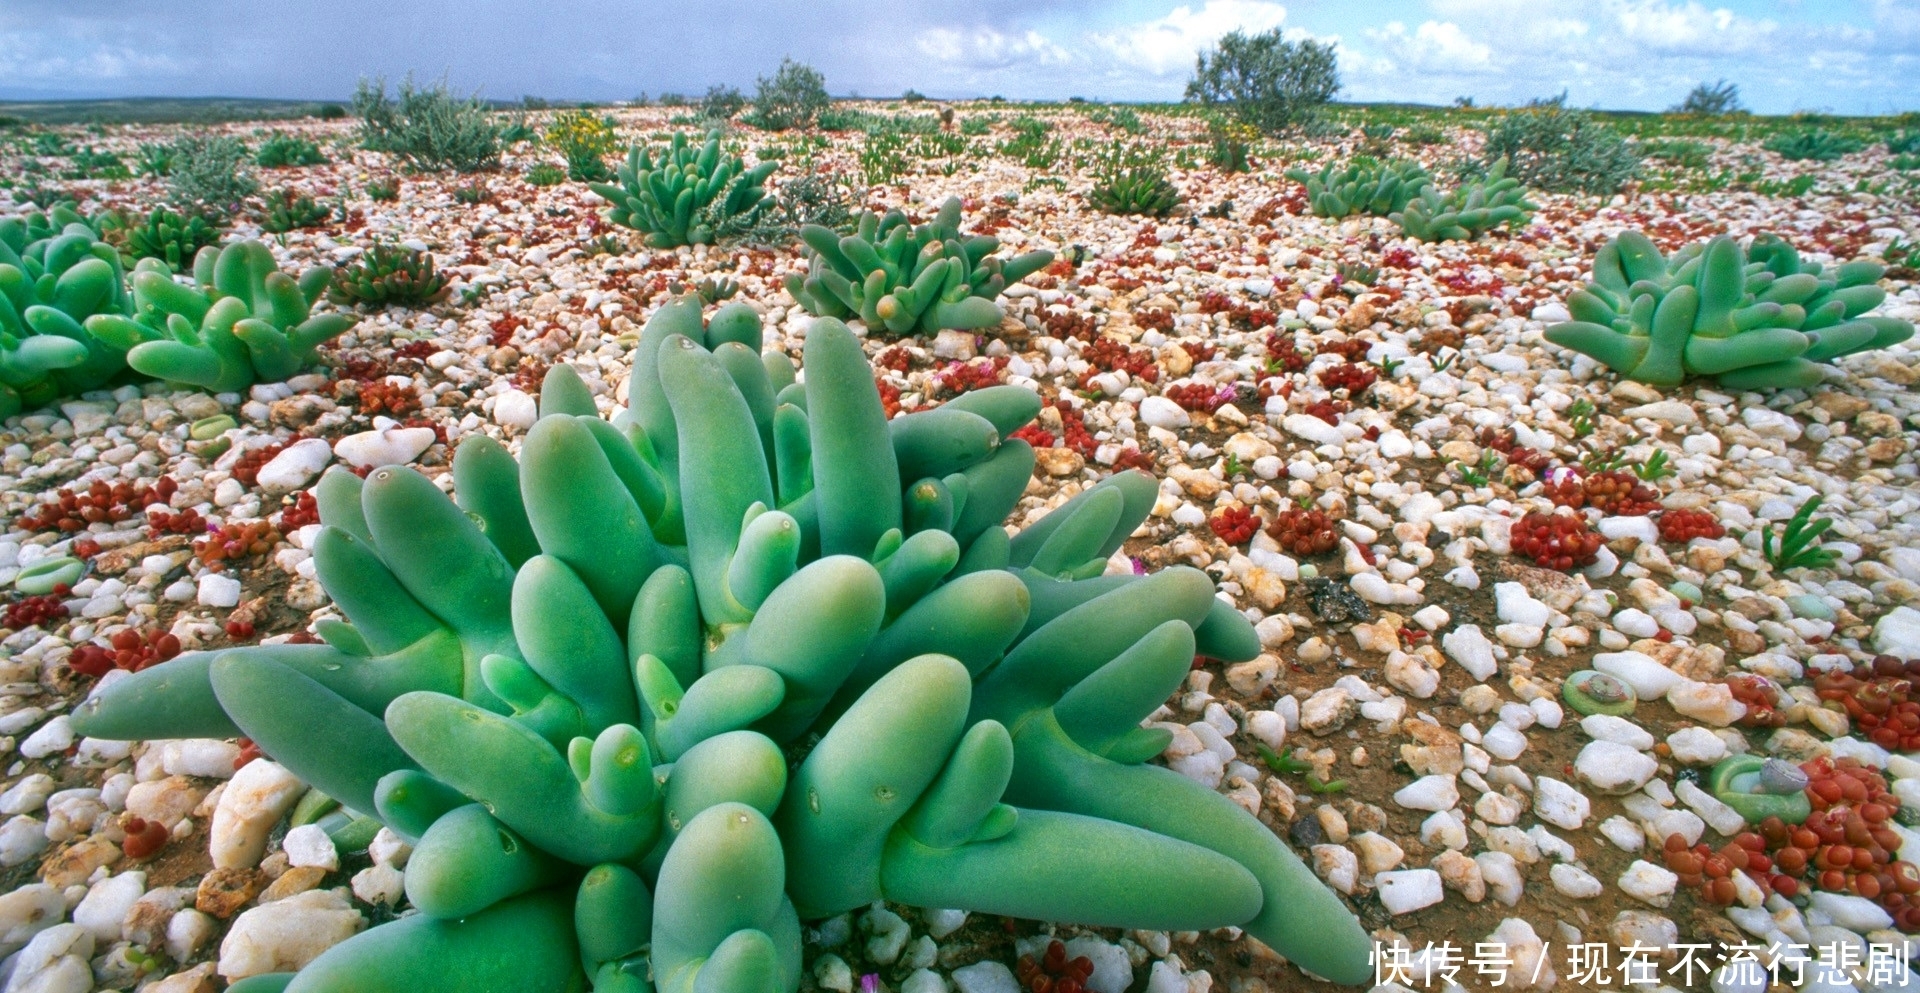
(1140, 189)
(1476, 206)
(688, 196)
(573, 683)
(245, 320)
(170, 237)
(1364, 185)
(1753, 319)
(52, 280)
(901, 278)
(386, 274)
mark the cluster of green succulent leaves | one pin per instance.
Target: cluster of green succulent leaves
(1816, 144)
(576, 686)
(170, 237)
(1754, 319)
(900, 278)
(1364, 185)
(243, 321)
(1477, 205)
(388, 274)
(73, 319)
(55, 273)
(688, 196)
(1139, 188)
(291, 211)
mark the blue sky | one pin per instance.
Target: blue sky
(1846, 56)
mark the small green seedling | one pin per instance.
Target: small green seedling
(1799, 541)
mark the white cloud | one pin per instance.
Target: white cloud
(1689, 27)
(984, 48)
(1434, 44)
(1169, 44)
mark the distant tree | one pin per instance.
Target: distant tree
(672, 100)
(912, 96)
(722, 102)
(1714, 99)
(1463, 103)
(792, 98)
(534, 103)
(1267, 80)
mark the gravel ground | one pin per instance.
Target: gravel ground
(1475, 808)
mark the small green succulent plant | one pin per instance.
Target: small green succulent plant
(748, 653)
(1478, 205)
(902, 278)
(1364, 185)
(1757, 318)
(169, 237)
(388, 274)
(1141, 190)
(244, 321)
(688, 196)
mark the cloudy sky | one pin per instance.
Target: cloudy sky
(1848, 56)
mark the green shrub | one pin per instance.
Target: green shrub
(1230, 144)
(155, 159)
(1903, 142)
(331, 112)
(89, 163)
(282, 150)
(585, 140)
(722, 102)
(883, 159)
(428, 128)
(383, 190)
(517, 131)
(1711, 99)
(792, 98)
(546, 174)
(687, 196)
(1680, 152)
(1271, 82)
(1816, 144)
(1554, 148)
(823, 198)
(211, 171)
(976, 127)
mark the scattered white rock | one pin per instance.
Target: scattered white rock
(1573, 881)
(259, 795)
(1409, 890)
(309, 845)
(1559, 804)
(392, 446)
(295, 466)
(1469, 648)
(285, 935)
(1611, 767)
(1648, 883)
(514, 409)
(1696, 746)
(1435, 792)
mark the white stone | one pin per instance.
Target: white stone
(22, 839)
(1529, 961)
(1469, 648)
(1696, 746)
(393, 446)
(1650, 680)
(217, 589)
(52, 737)
(985, 977)
(1624, 834)
(1854, 913)
(206, 758)
(1573, 881)
(1515, 605)
(1611, 767)
(294, 467)
(1711, 703)
(1606, 727)
(26, 912)
(1635, 623)
(309, 845)
(1504, 743)
(1112, 969)
(1559, 804)
(55, 961)
(189, 931)
(941, 923)
(1501, 873)
(1161, 412)
(1409, 890)
(1337, 866)
(285, 935)
(106, 904)
(514, 409)
(379, 885)
(1711, 809)
(1431, 793)
(1648, 883)
(260, 794)
(1897, 633)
